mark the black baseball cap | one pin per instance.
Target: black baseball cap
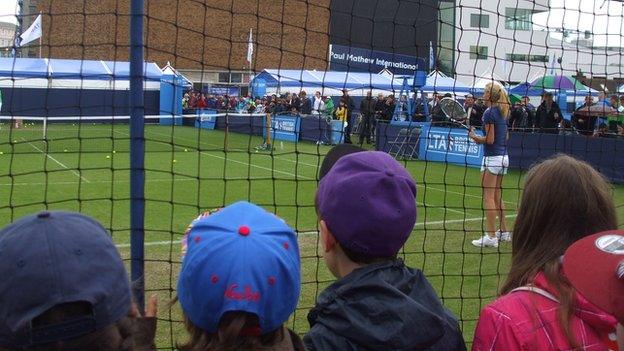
(335, 154)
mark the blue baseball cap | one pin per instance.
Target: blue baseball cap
(241, 258)
(53, 258)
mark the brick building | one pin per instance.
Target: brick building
(197, 36)
(29, 12)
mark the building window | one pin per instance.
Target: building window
(527, 58)
(224, 77)
(445, 48)
(518, 19)
(236, 78)
(479, 21)
(478, 52)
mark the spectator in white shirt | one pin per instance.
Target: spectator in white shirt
(319, 105)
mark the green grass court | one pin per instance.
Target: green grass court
(86, 168)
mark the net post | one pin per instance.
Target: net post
(137, 154)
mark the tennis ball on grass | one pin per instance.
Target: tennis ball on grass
(114, 151)
(107, 156)
(174, 161)
(185, 150)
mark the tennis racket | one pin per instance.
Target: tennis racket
(454, 111)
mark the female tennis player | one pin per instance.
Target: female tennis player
(495, 163)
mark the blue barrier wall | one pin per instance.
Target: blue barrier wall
(451, 145)
(253, 125)
(315, 128)
(285, 127)
(39, 102)
(524, 149)
(604, 154)
(206, 119)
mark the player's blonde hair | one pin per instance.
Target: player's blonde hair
(498, 97)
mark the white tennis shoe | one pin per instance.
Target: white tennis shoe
(486, 241)
(503, 236)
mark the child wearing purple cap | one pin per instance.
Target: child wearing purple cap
(366, 204)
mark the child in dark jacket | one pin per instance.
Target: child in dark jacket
(366, 203)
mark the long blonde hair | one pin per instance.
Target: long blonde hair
(498, 97)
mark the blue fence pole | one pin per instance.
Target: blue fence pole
(137, 154)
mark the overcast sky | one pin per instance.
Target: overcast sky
(577, 15)
(8, 8)
(607, 24)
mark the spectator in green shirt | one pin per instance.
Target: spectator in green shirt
(329, 107)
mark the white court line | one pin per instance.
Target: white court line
(289, 160)
(240, 162)
(109, 181)
(314, 232)
(237, 149)
(465, 194)
(57, 161)
(318, 166)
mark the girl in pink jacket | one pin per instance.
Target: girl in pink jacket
(563, 200)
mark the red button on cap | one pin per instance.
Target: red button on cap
(243, 230)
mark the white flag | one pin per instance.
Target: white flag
(32, 33)
(432, 62)
(250, 47)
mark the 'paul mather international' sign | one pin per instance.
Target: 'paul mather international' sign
(345, 58)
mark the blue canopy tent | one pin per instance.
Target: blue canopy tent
(328, 82)
(443, 84)
(526, 89)
(358, 83)
(33, 87)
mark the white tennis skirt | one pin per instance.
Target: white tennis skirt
(497, 165)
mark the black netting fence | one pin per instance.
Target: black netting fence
(243, 98)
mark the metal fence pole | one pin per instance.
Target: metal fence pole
(137, 153)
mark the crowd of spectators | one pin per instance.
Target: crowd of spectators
(602, 118)
(299, 103)
(547, 117)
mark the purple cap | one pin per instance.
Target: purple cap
(368, 201)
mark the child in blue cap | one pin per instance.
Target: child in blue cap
(240, 281)
(366, 204)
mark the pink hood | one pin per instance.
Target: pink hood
(525, 320)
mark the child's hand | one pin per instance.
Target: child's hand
(151, 310)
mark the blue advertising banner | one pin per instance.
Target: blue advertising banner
(221, 90)
(284, 127)
(450, 145)
(346, 58)
(206, 119)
